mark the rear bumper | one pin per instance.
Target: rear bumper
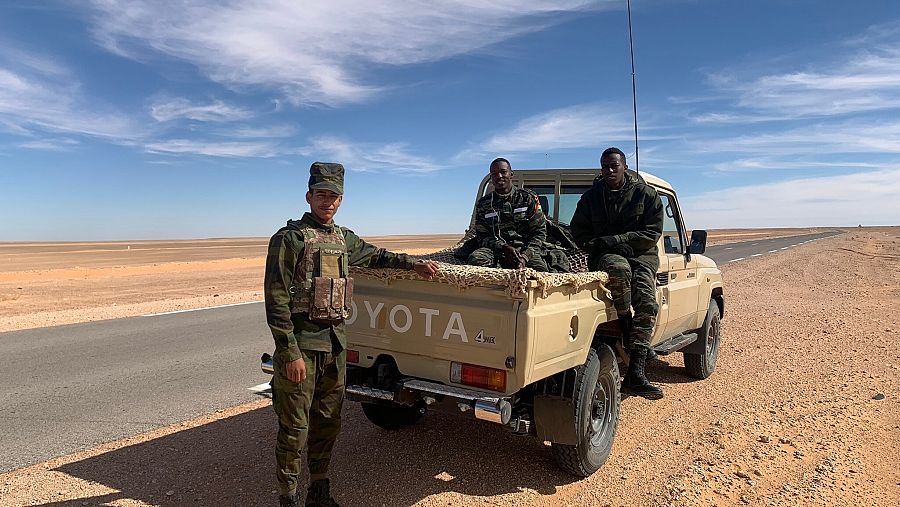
(494, 409)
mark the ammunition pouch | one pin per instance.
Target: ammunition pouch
(331, 299)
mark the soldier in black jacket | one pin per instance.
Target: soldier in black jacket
(618, 223)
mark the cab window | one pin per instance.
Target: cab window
(568, 200)
(671, 236)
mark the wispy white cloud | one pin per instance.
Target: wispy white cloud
(168, 109)
(40, 94)
(261, 149)
(245, 132)
(316, 52)
(857, 136)
(864, 78)
(869, 198)
(33, 62)
(391, 157)
(718, 117)
(754, 164)
(578, 126)
(41, 98)
(50, 144)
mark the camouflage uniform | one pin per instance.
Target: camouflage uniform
(514, 219)
(631, 215)
(310, 409)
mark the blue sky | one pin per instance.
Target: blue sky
(136, 119)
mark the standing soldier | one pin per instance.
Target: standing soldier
(510, 226)
(618, 222)
(308, 296)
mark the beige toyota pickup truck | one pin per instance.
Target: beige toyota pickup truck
(533, 352)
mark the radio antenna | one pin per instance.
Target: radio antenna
(637, 165)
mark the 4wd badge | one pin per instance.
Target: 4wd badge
(481, 338)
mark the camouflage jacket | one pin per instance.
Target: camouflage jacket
(633, 215)
(514, 219)
(293, 332)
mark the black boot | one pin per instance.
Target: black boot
(319, 494)
(289, 501)
(636, 381)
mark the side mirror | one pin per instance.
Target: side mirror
(698, 242)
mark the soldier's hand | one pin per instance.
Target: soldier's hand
(426, 269)
(521, 259)
(296, 370)
(604, 244)
(511, 258)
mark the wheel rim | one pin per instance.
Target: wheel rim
(602, 409)
(712, 339)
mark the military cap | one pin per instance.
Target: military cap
(326, 176)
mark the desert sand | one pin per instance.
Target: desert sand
(803, 409)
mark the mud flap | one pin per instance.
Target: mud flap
(554, 419)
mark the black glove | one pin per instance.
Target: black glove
(604, 244)
(511, 258)
(623, 249)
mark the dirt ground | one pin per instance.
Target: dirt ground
(803, 409)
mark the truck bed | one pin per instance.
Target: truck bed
(530, 333)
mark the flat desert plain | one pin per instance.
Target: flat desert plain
(803, 408)
(49, 284)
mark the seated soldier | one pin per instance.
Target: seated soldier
(510, 227)
(618, 223)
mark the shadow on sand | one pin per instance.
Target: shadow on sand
(231, 462)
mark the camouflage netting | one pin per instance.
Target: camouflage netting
(454, 272)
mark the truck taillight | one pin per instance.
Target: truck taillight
(478, 376)
(352, 356)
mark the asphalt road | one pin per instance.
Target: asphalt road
(68, 388)
(733, 252)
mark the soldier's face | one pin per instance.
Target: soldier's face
(612, 170)
(501, 177)
(324, 204)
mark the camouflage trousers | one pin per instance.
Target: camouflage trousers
(633, 285)
(485, 257)
(308, 412)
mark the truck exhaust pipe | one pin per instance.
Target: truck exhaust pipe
(499, 411)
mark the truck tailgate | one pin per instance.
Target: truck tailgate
(411, 320)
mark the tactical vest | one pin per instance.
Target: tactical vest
(321, 287)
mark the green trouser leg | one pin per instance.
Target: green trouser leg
(325, 413)
(483, 257)
(309, 410)
(633, 285)
(535, 261)
(643, 300)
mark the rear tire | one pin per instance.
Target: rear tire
(393, 416)
(596, 404)
(701, 366)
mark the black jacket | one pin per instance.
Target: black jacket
(633, 215)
